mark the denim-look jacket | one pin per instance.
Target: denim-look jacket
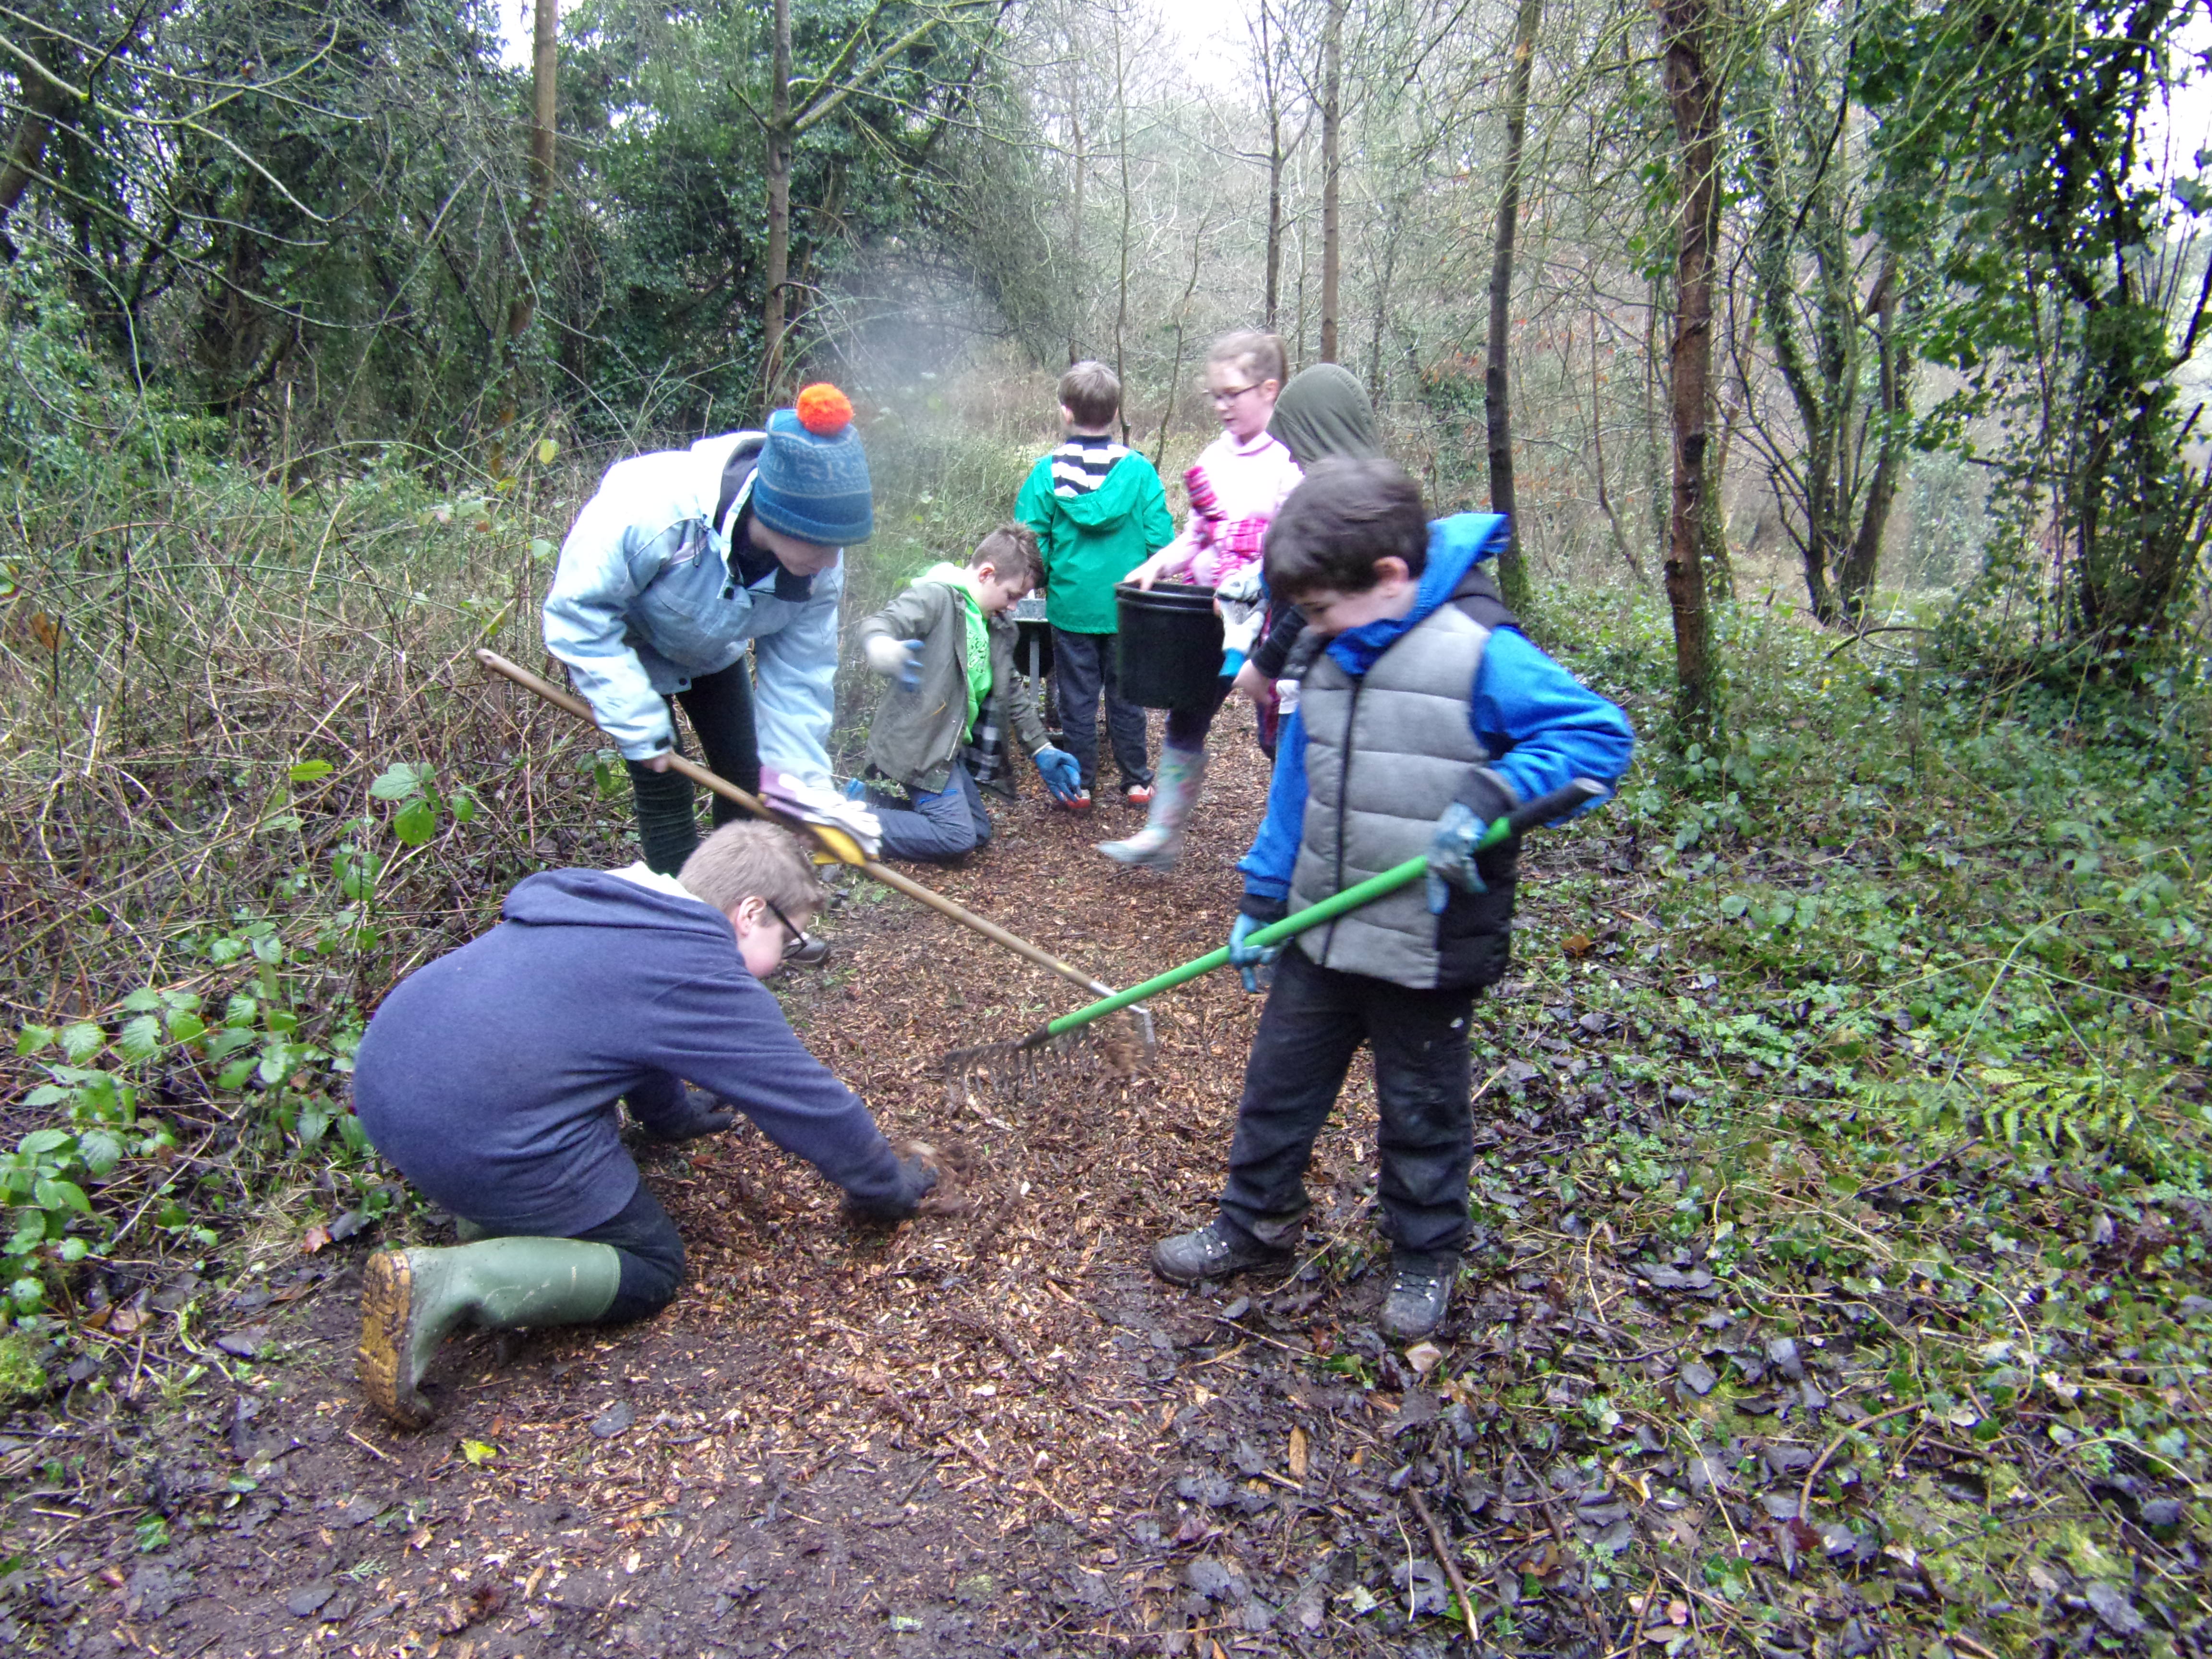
(646, 597)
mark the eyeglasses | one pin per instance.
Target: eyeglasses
(793, 937)
(1221, 398)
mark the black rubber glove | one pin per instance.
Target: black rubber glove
(916, 1180)
(701, 1113)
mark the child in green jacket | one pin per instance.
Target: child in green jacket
(1098, 511)
(945, 644)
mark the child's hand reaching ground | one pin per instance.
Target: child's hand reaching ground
(1060, 772)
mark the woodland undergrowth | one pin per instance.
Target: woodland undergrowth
(1896, 991)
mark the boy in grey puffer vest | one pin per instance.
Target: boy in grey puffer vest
(1426, 715)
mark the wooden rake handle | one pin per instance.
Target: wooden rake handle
(495, 664)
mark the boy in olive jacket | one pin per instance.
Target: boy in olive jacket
(1098, 511)
(945, 644)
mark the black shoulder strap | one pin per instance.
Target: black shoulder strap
(1478, 598)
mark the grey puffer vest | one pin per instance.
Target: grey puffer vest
(1386, 753)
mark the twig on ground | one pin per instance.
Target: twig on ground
(1805, 1492)
(1302, 1353)
(1911, 1174)
(982, 1326)
(373, 1451)
(1451, 1569)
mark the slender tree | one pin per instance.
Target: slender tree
(1686, 42)
(1332, 140)
(1497, 410)
(544, 102)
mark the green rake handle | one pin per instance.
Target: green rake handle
(1542, 809)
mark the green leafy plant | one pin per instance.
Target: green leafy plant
(411, 787)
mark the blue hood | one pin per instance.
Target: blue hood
(1456, 545)
(600, 898)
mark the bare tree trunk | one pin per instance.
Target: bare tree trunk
(1271, 306)
(1128, 209)
(1686, 29)
(779, 205)
(1271, 88)
(1597, 451)
(1383, 308)
(544, 88)
(1855, 579)
(1182, 333)
(1332, 121)
(1498, 417)
(1075, 235)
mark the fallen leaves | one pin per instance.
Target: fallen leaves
(482, 1601)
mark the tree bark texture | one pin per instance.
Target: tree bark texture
(1331, 119)
(779, 205)
(544, 88)
(1685, 28)
(1855, 579)
(1497, 410)
(1270, 79)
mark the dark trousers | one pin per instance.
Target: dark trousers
(1188, 726)
(1082, 667)
(1314, 1022)
(937, 828)
(720, 707)
(652, 1253)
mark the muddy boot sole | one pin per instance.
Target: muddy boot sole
(387, 1306)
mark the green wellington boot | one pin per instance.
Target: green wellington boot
(410, 1299)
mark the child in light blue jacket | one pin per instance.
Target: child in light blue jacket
(681, 559)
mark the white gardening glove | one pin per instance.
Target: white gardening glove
(820, 803)
(895, 659)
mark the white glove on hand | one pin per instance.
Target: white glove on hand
(820, 803)
(895, 659)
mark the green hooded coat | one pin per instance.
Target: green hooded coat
(1093, 541)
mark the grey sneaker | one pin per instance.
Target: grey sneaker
(1214, 1251)
(1420, 1290)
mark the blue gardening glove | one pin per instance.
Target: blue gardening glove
(1451, 855)
(1060, 772)
(1246, 957)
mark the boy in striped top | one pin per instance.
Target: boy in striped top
(1098, 511)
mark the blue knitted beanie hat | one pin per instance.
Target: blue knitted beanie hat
(812, 479)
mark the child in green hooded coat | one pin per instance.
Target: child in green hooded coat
(1099, 511)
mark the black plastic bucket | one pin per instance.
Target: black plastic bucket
(1168, 651)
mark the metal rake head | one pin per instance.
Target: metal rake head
(1107, 1050)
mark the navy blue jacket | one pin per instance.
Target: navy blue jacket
(490, 1076)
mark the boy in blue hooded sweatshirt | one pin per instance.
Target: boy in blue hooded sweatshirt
(1426, 713)
(490, 1079)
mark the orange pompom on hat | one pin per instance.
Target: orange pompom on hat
(812, 480)
(824, 410)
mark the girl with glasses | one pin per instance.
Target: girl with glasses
(1236, 486)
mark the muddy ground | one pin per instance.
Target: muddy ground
(991, 1430)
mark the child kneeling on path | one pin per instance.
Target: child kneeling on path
(489, 1080)
(1426, 714)
(945, 645)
